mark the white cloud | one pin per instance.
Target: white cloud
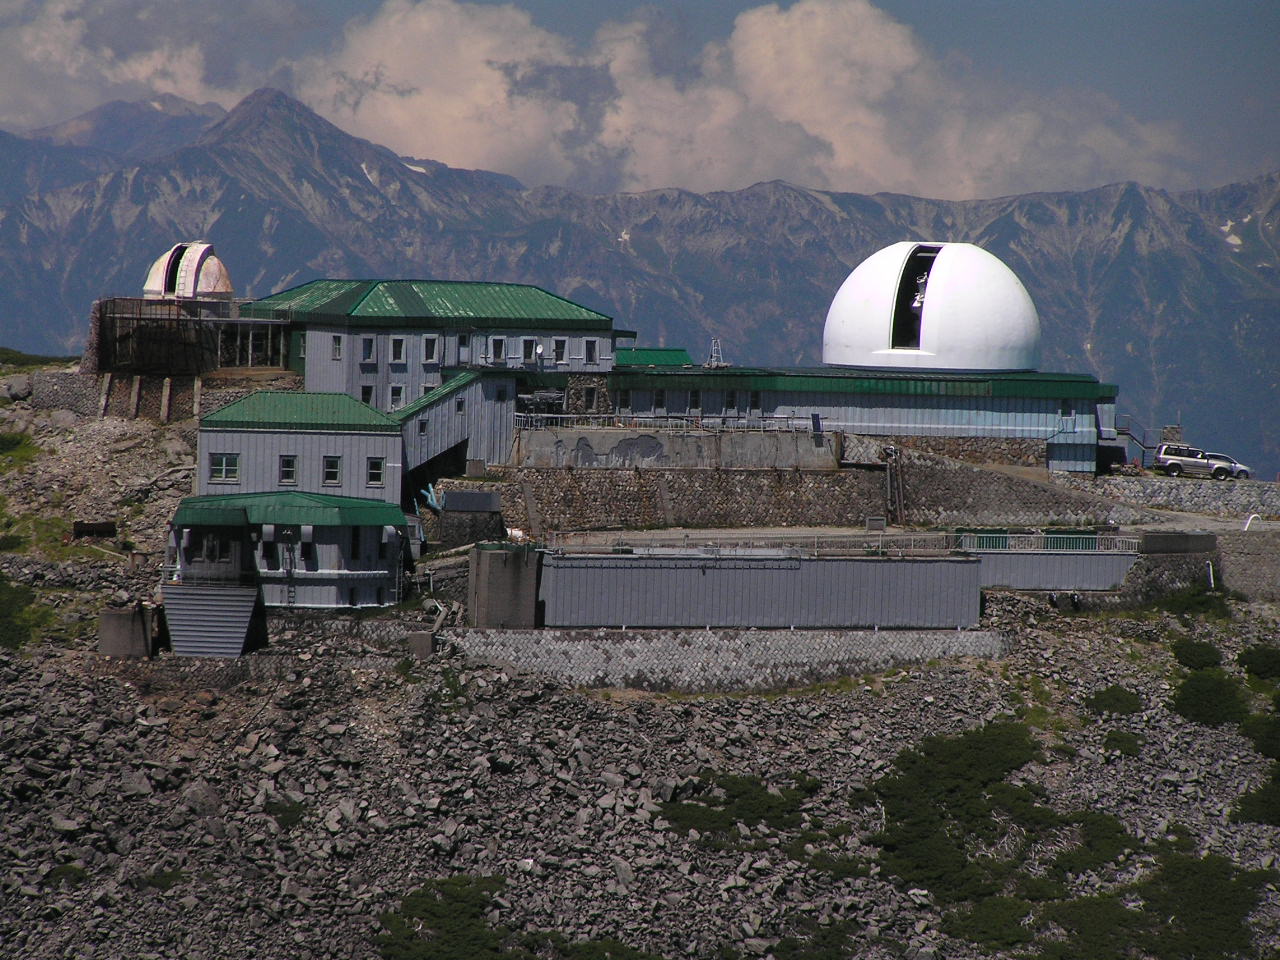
(824, 93)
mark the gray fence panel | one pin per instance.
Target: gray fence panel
(1049, 570)
(207, 620)
(775, 592)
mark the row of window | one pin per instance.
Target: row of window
(695, 400)
(529, 347)
(225, 468)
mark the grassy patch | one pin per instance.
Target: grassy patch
(1196, 602)
(16, 450)
(1210, 697)
(1196, 654)
(1261, 805)
(1114, 699)
(20, 615)
(11, 360)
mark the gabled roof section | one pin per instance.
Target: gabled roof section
(652, 357)
(316, 509)
(426, 303)
(297, 410)
(451, 386)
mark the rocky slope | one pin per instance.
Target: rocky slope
(277, 807)
(1175, 297)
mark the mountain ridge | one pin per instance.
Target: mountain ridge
(1175, 297)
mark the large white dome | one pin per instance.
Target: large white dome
(188, 270)
(932, 306)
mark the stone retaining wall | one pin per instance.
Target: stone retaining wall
(939, 492)
(1014, 451)
(1250, 563)
(1153, 576)
(56, 390)
(1223, 498)
(702, 661)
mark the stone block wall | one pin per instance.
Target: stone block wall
(1154, 576)
(704, 661)
(1250, 562)
(575, 394)
(1230, 498)
(77, 392)
(1014, 451)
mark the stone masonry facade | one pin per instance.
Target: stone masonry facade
(705, 661)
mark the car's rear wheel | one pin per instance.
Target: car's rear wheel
(1173, 470)
(1242, 475)
(1221, 473)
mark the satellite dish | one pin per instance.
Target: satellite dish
(538, 349)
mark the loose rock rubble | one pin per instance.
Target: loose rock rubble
(215, 809)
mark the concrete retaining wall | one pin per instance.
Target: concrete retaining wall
(704, 661)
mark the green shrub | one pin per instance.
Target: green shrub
(1196, 654)
(1261, 661)
(66, 875)
(1261, 805)
(1196, 601)
(286, 814)
(995, 922)
(16, 450)
(1114, 699)
(164, 879)
(1264, 731)
(1122, 741)
(1102, 839)
(1210, 697)
(719, 801)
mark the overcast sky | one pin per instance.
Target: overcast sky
(940, 98)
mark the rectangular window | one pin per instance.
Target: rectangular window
(560, 349)
(335, 347)
(695, 399)
(308, 555)
(590, 347)
(589, 399)
(396, 396)
(288, 468)
(271, 556)
(355, 543)
(224, 468)
(659, 400)
(501, 395)
(331, 474)
(730, 400)
(755, 399)
(459, 405)
(422, 427)
(217, 549)
(366, 393)
(499, 349)
(367, 352)
(430, 344)
(302, 347)
(375, 472)
(397, 349)
(530, 350)
(624, 399)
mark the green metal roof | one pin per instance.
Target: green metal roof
(316, 509)
(838, 380)
(452, 385)
(653, 357)
(296, 410)
(426, 303)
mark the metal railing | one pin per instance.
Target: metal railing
(884, 544)
(664, 424)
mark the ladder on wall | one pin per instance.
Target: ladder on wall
(894, 490)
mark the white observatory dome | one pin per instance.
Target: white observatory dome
(932, 306)
(188, 270)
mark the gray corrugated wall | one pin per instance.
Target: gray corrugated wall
(1068, 570)
(260, 452)
(646, 591)
(208, 620)
(485, 421)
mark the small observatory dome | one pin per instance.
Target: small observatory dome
(188, 270)
(932, 306)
